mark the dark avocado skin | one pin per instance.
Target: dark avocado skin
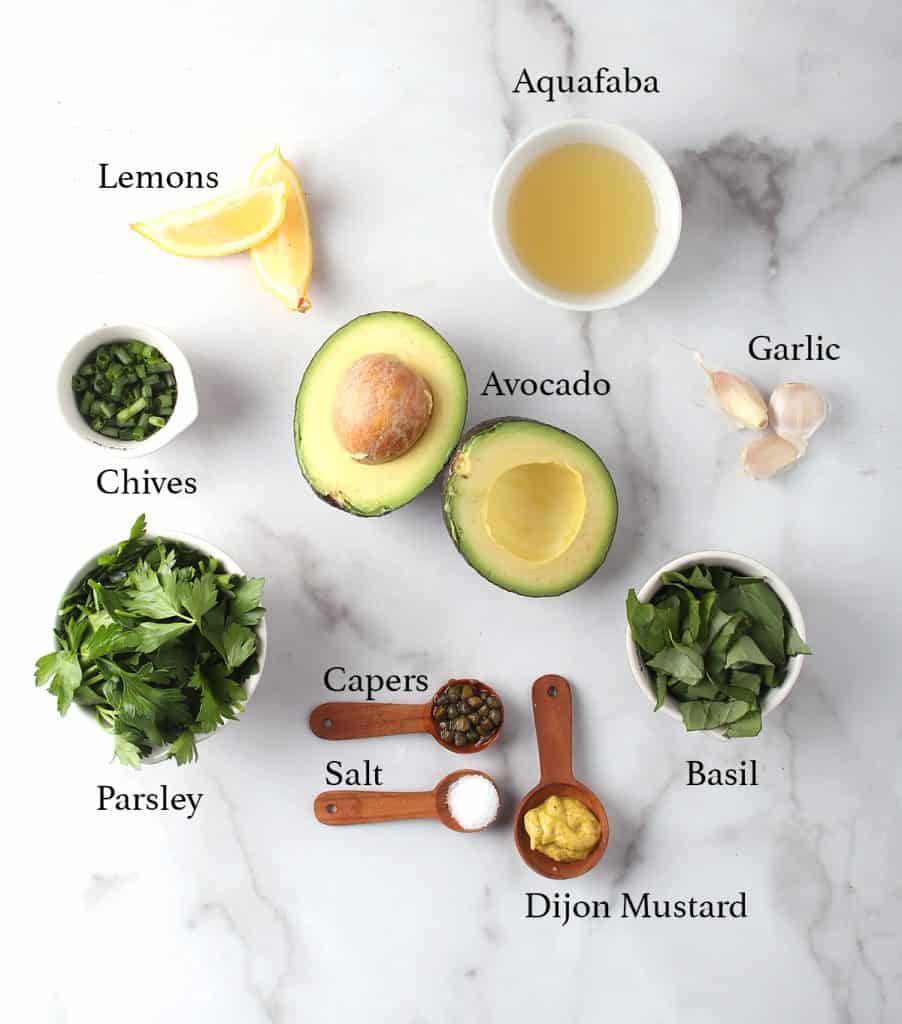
(328, 499)
(482, 428)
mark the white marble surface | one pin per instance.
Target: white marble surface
(782, 123)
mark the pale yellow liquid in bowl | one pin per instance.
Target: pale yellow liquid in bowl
(581, 218)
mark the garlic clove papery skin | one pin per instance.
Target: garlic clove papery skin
(797, 411)
(768, 456)
(738, 398)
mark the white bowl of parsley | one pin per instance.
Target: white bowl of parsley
(161, 639)
(715, 640)
(127, 388)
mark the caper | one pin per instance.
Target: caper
(485, 728)
(484, 711)
(495, 716)
(466, 691)
(452, 692)
(440, 711)
(473, 718)
(460, 740)
(493, 702)
(474, 702)
(472, 736)
(461, 724)
(462, 707)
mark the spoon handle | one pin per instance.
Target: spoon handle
(352, 807)
(343, 720)
(553, 713)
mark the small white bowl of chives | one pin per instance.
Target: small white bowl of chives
(127, 388)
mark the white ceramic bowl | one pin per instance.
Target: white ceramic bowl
(184, 412)
(745, 567)
(159, 754)
(663, 186)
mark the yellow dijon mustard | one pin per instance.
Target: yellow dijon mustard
(562, 828)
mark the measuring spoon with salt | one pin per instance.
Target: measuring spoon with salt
(359, 807)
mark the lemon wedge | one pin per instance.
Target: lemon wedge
(285, 260)
(229, 224)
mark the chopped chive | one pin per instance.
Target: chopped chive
(124, 415)
(120, 385)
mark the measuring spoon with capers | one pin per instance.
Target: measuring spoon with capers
(464, 716)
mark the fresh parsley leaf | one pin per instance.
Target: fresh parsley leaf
(183, 747)
(150, 636)
(127, 752)
(158, 640)
(245, 606)
(63, 673)
(239, 643)
(147, 597)
(199, 596)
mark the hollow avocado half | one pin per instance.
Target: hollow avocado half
(374, 490)
(532, 508)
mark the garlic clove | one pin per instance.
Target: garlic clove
(797, 411)
(739, 399)
(768, 456)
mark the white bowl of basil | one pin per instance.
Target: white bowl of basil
(715, 640)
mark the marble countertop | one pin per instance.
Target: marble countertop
(782, 125)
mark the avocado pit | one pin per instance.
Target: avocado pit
(381, 409)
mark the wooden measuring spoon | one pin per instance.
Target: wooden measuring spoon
(357, 807)
(354, 720)
(553, 713)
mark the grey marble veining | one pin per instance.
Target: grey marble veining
(782, 125)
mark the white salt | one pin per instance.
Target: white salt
(473, 801)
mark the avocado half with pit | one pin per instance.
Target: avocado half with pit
(379, 411)
(532, 508)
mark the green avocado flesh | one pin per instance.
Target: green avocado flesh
(354, 486)
(532, 508)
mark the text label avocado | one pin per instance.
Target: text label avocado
(583, 386)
